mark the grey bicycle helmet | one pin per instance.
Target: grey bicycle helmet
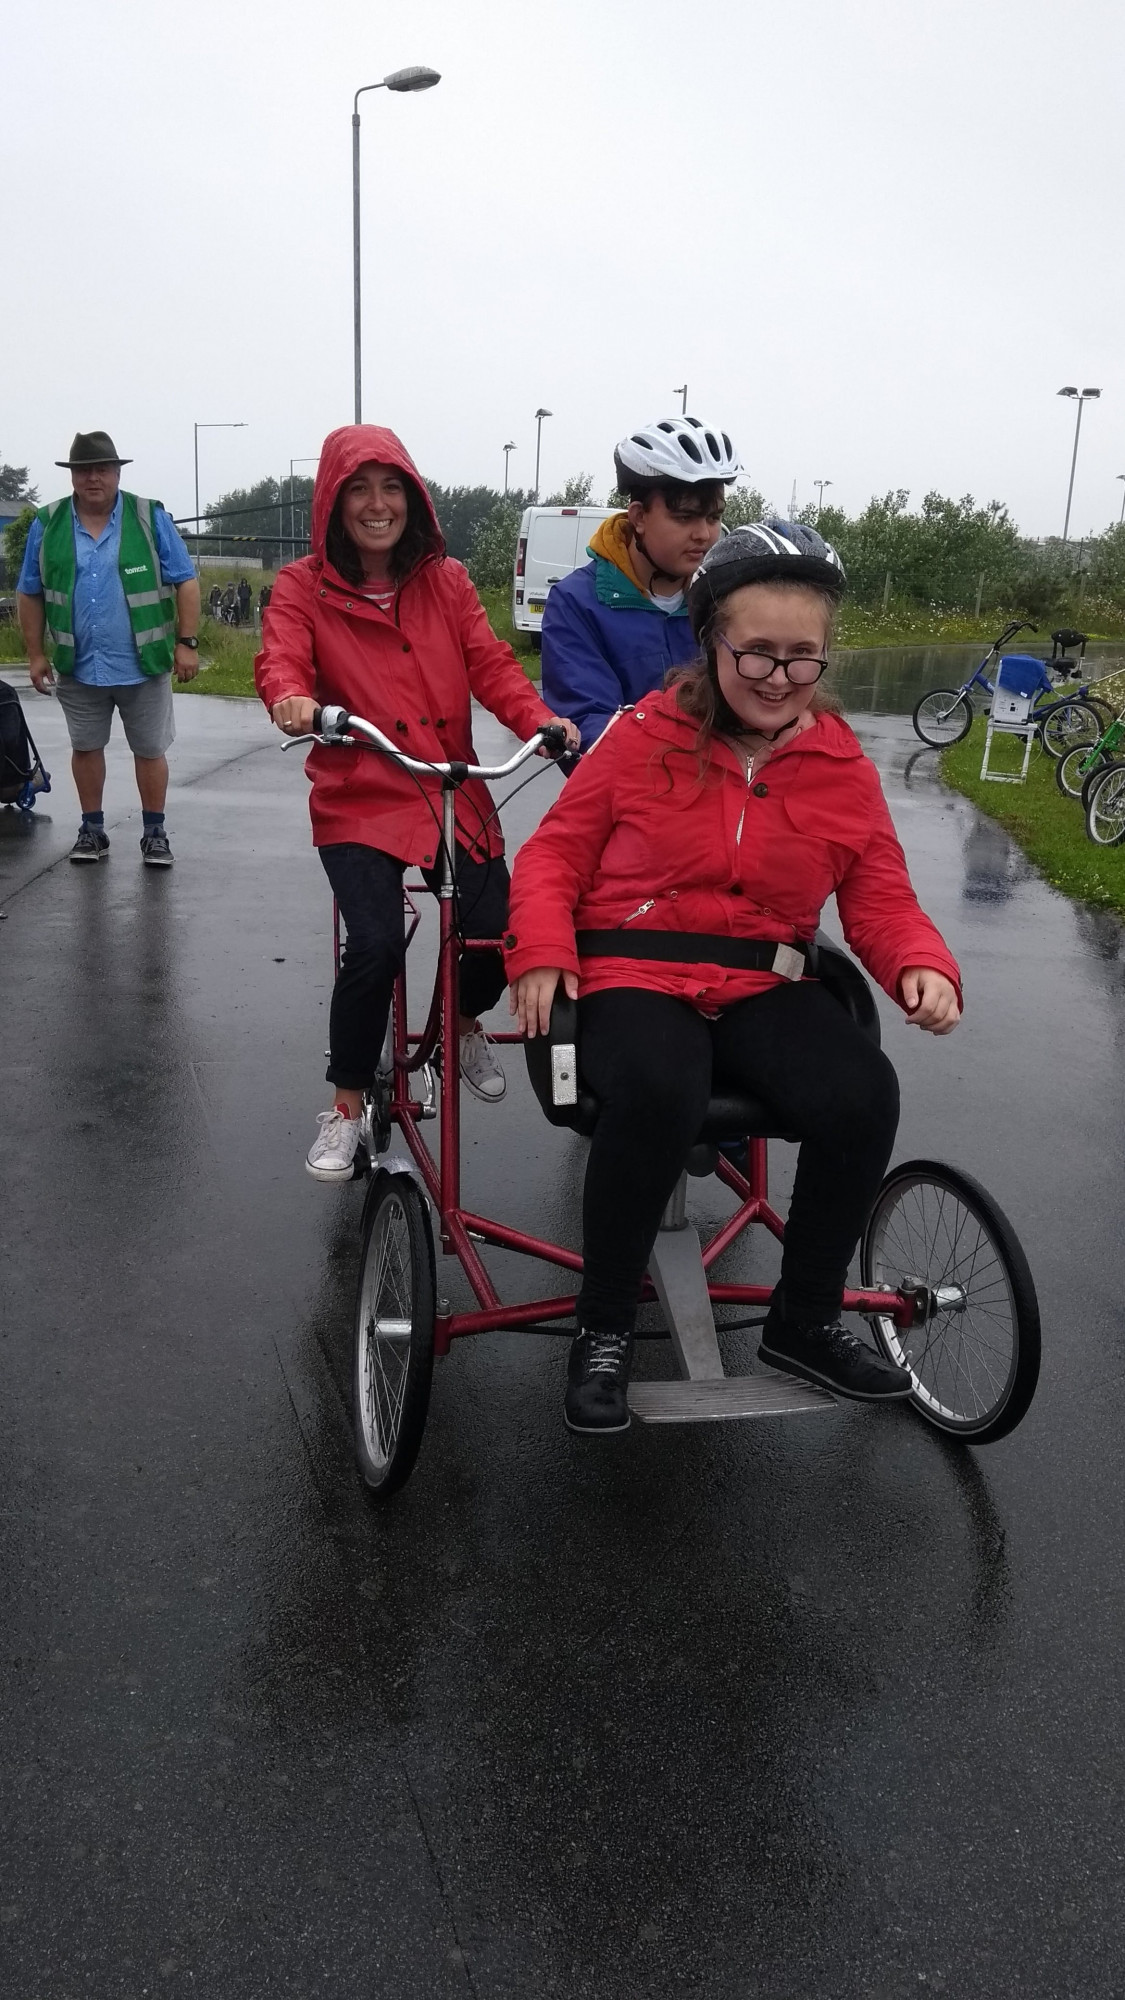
(765, 552)
(680, 450)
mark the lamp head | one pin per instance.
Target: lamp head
(1090, 393)
(543, 413)
(1068, 392)
(415, 77)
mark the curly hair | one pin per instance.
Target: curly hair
(418, 540)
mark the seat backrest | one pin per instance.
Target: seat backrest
(838, 974)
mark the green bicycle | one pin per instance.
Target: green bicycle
(1105, 806)
(1076, 770)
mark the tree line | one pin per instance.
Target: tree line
(948, 555)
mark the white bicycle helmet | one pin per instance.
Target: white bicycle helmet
(677, 449)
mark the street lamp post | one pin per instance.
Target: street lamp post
(682, 391)
(508, 449)
(417, 77)
(1079, 396)
(539, 416)
(1121, 475)
(820, 485)
(197, 428)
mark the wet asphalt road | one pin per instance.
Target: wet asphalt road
(818, 1707)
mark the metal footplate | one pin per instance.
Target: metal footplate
(732, 1396)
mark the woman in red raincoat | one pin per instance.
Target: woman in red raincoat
(381, 621)
(676, 888)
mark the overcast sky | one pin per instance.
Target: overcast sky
(874, 236)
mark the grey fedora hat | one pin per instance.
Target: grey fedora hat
(93, 448)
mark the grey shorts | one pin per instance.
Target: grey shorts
(145, 708)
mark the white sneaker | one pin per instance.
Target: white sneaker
(479, 1067)
(332, 1153)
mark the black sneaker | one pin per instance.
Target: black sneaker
(91, 845)
(598, 1381)
(155, 851)
(831, 1356)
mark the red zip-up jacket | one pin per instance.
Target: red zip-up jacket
(639, 838)
(412, 672)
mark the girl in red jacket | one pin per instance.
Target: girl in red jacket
(381, 621)
(707, 828)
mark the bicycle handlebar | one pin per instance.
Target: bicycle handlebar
(1009, 632)
(334, 726)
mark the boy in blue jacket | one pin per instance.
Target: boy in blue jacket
(612, 629)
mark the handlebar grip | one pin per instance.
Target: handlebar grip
(554, 738)
(316, 719)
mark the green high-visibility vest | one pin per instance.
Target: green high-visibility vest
(151, 601)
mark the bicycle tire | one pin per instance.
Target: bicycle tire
(1073, 769)
(948, 722)
(1068, 725)
(934, 1224)
(1105, 807)
(393, 1357)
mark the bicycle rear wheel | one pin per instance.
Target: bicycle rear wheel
(974, 1361)
(1105, 806)
(943, 716)
(394, 1334)
(1068, 724)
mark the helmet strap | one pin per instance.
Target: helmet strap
(668, 575)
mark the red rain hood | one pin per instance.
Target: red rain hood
(341, 454)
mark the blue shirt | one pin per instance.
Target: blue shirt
(105, 652)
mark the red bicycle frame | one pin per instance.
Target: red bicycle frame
(461, 1229)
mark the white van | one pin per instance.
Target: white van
(552, 542)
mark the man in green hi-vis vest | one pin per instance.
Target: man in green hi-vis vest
(108, 585)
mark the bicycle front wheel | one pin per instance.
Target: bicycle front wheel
(974, 1361)
(1073, 769)
(943, 716)
(1105, 807)
(394, 1334)
(1068, 724)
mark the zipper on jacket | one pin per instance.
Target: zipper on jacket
(641, 910)
(746, 795)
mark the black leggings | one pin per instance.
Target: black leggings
(367, 885)
(651, 1060)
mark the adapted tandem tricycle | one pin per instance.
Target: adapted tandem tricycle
(944, 1285)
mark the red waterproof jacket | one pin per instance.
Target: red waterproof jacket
(640, 839)
(412, 672)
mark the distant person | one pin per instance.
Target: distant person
(215, 600)
(244, 594)
(107, 582)
(227, 604)
(264, 595)
(379, 620)
(614, 627)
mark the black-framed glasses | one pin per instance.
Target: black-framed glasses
(800, 672)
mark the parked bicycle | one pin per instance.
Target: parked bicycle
(1075, 772)
(1105, 806)
(945, 715)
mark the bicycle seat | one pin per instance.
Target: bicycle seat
(730, 1114)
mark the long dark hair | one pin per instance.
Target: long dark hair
(419, 539)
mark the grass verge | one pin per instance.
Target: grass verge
(1049, 827)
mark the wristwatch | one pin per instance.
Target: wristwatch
(193, 643)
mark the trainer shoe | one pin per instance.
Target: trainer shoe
(91, 845)
(598, 1382)
(331, 1157)
(155, 851)
(831, 1356)
(479, 1067)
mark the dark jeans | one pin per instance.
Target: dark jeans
(651, 1059)
(367, 885)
